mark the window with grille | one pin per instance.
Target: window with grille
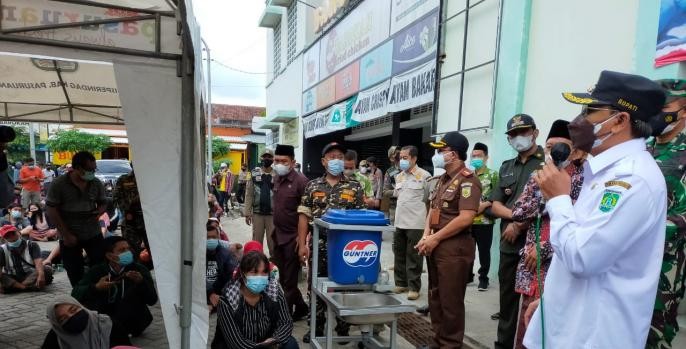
(277, 49)
(292, 32)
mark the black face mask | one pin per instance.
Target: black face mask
(267, 162)
(77, 322)
(660, 122)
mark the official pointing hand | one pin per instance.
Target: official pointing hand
(552, 181)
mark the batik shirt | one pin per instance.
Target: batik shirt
(489, 180)
(526, 208)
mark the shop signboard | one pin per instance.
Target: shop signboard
(310, 100)
(338, 117)
(413, 88)
(311, 66)
(416, 44)
(326, 93)
(316, 124)
(404, 12)
(348, 81)
(371, 103)
(376, 65)
(360, 31)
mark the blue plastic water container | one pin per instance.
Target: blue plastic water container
(354, 254)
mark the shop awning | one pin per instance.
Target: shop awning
(282, 3)
(271, 17)
(282, 116)
(254, 138)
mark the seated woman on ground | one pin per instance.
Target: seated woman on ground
(253, 312)
(75, 327)
(41, 227)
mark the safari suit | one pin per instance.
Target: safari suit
(450, 262)
(319, 197)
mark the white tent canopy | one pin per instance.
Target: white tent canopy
(146, 51)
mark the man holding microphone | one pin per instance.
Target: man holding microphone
(600, 288)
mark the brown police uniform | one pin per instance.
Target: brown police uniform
(450, 262)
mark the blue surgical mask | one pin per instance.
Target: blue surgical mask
(335, 167)
(125, 258)
(212, 244)
(16, 214)
(224, 243)
(14, 244)
(256, 284)
(404, 164)
(88, 175)
(438, 160)
(477, 163)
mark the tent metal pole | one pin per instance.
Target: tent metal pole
(188, 133)
(210, 168)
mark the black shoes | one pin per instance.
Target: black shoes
(424, 310)
(483, 286)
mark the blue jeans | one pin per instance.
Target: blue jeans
(290, 344)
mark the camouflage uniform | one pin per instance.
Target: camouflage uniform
(318, 198)
(671, 158)
(127, 198)
(388, 188)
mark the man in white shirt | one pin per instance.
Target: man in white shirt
(600, 288)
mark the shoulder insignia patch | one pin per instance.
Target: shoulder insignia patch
(609, 200)
(466, 191)
(467, 173)
(622, 184)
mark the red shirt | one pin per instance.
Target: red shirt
(31, 185)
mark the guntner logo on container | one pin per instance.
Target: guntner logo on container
(360, 253)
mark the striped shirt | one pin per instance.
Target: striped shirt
(246, 326)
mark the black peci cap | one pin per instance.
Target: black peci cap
(559, 129)
(285, 150)
(634, 94)
(520, 121)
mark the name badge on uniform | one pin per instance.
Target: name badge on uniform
(347, 195)
(319, 194)
(435, 216)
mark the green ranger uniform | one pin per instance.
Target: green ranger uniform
(365, 183)
(127, 198)
(671, 158)
(320, 196)
(489, 180)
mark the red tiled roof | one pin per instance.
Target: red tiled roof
(236, 112)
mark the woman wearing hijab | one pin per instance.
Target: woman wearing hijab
(75, 327)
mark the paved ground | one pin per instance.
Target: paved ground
(23, 323)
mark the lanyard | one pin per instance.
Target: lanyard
(538, 273)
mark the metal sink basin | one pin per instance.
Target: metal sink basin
(367, 308)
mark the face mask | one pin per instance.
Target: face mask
(256, 284)
(77, 323)
(267, 162)
(664, 123)
(335, 167)
(31, 166)
(281, 170)
(404, 165)
(584, 134)
(212, 244)
(125, 258)
(477, 163)
(224, 244)
(438, 160)
(16, 214)
(522, 143)
(363, 170)
(348, 173)
(88, 175)
(14, 244)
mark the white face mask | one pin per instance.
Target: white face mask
(281, 169)
(363, 170)
(522, 143)
(597, 128)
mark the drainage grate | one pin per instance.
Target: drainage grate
(416, 329)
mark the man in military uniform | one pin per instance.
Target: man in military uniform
(333, 190)
(447, 239)
(389, 202)
(483, 222)
(259, 202)
(668, 147)
(512, 177)
(127, 198)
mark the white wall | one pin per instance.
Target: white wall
(284, 93)
(570, 43)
